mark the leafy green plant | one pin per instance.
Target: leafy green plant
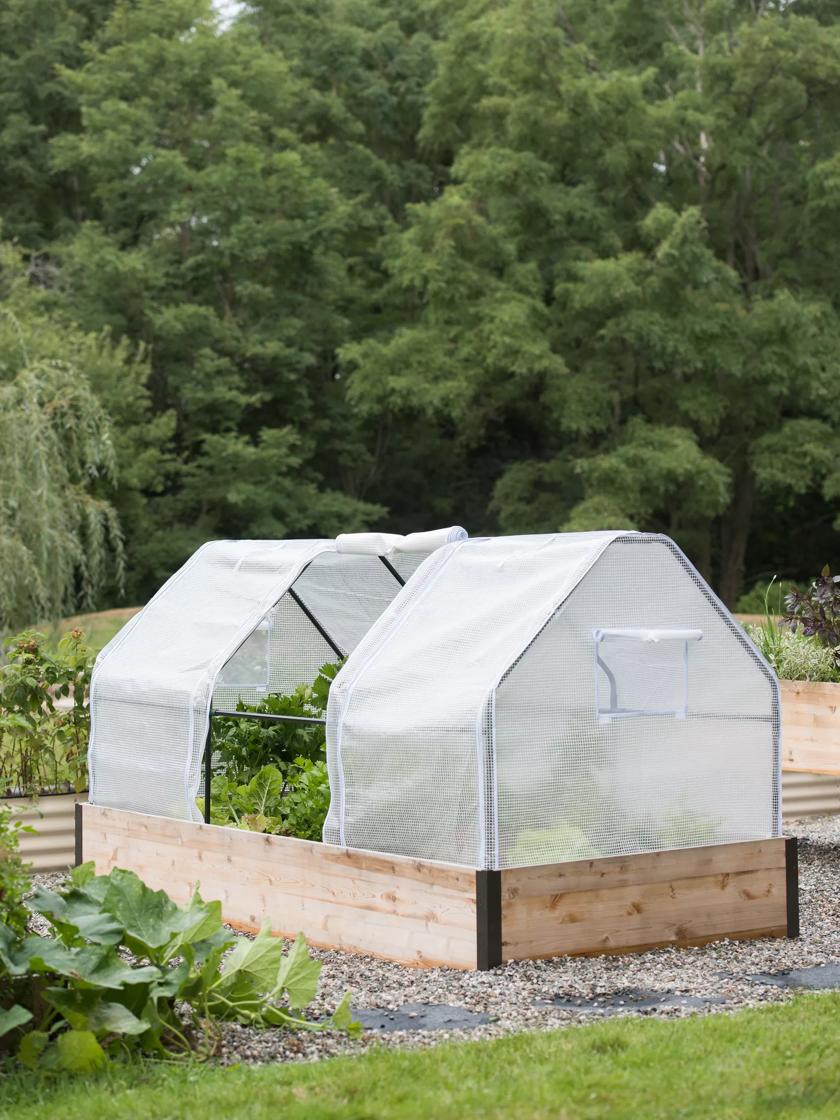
(272, 777)
(290, 800)
(72, 1000)
(14, 879)
(795, 656)
(307, 800)
(43, 745)
(244, 746)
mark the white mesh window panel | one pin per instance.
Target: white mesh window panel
(248, 669)
(642, 672)
(474, 724)
(240, 620)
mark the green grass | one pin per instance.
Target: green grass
(779, 1062)
(99, 627)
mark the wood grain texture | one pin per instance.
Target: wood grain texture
(811, 727)
(415, 911)
(631, 903)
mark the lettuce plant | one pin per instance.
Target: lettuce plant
(288, 800)
(70, 1001)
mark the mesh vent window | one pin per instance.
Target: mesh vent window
(642, 673)
(249, 666)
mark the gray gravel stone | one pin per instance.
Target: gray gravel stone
(519, 996)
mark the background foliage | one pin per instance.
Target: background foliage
(514, 263)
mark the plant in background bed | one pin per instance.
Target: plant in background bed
(793, 651)
(794, 656)
(43, 743)
(817, 611)
(130, 972)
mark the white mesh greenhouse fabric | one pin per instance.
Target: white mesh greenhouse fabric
(536, 699)
(239, 620)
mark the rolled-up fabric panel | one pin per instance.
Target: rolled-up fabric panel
(430, 540)
(367, 544)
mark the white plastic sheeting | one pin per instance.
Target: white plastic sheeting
(239, 620)
(467, 725)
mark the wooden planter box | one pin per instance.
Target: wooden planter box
(810, 727)
(426, 913)
(52, 846)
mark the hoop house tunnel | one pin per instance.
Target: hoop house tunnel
(240, 620)
(534, 700)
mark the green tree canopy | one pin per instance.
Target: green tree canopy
(521, 264)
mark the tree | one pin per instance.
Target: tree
(60, 540)
(220, 246)
(621, 287)
(36, 36)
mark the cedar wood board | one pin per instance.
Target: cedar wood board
(422, 912)
(811, 727)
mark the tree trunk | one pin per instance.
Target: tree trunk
(735, 532)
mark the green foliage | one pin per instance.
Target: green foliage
(60, 540)
(291, 800)
(273, 777)
(43, 743)
(74, 1000)
(792, 655)
(795, 651)
(14, 877)
(243, 746)
(757, 600)
(507, 264)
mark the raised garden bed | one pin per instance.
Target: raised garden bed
(811, 727)
(428, 913)
(51, 847)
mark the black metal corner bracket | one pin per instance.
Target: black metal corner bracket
(79, 857)
(792, 885)
(488, 919)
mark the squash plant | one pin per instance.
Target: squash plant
(70, 1001)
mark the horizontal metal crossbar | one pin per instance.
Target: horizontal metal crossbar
(265, 716)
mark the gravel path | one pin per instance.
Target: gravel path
(518, 996)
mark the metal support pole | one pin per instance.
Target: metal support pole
(393, 570)
(266, 717)
(336, 649)
(208, 768)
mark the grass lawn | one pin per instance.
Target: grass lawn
(99, 627)
(781, 1061)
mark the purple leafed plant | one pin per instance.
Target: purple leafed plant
(817, 610)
